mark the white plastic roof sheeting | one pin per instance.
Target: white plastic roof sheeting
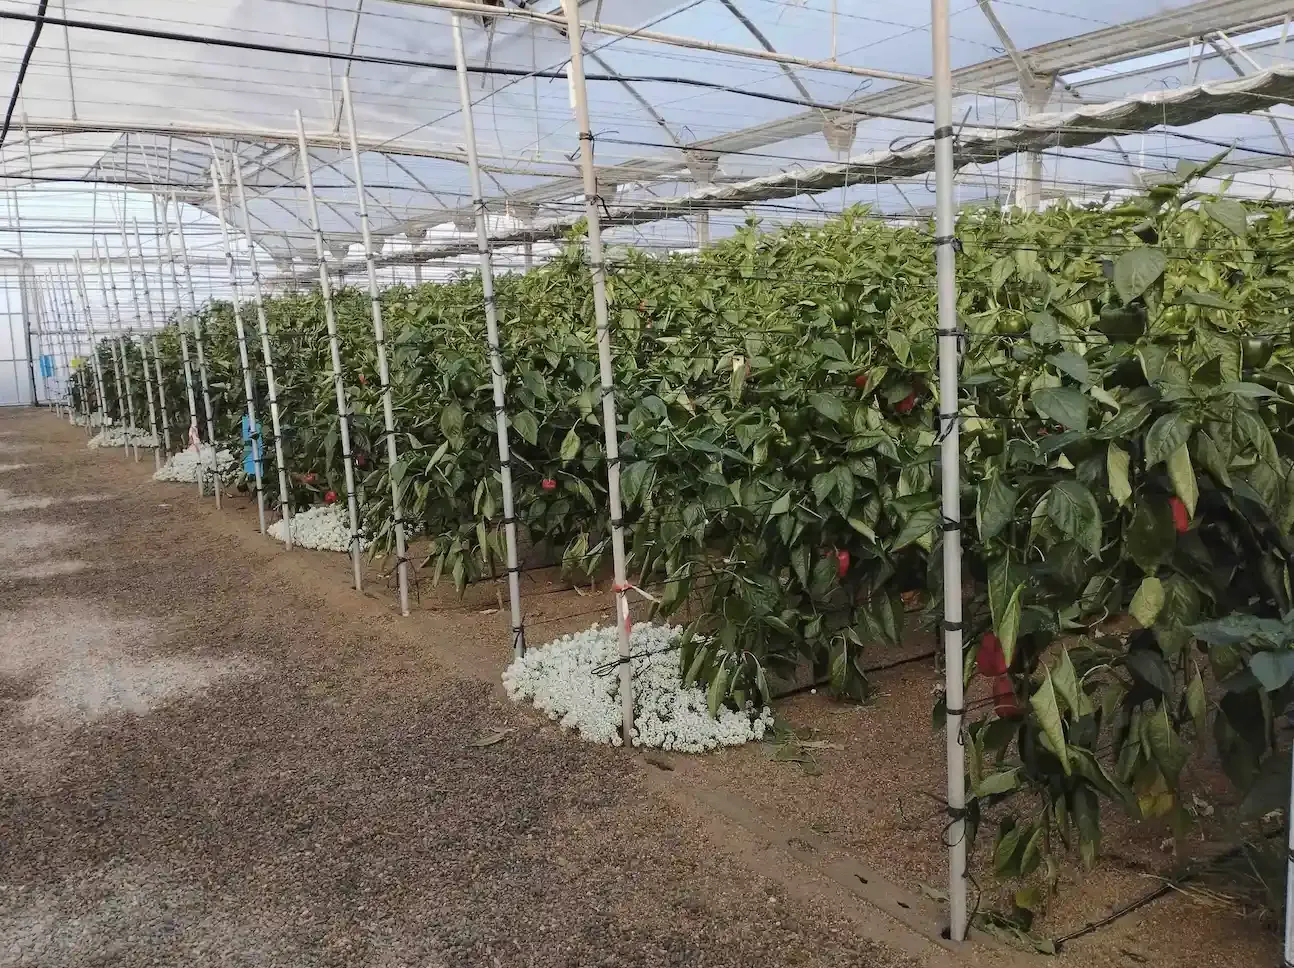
(149, 111)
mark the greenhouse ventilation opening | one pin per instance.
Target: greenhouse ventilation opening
(262, 161)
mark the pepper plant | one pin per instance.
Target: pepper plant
(1127, 383)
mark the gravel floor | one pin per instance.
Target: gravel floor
(209, 761)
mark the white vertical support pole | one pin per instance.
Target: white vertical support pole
(87, 371)
(199, 347)
(383, 369)
(189, 392)
(44, 341)
(11, 199)
(1289, 871)
(56, 318)
(163, 412)
(609, 425)
(22, 265)
(143, 347)
(96, 363)
(119, 350)
(52, 333)
(267, 358)
(62, 323)
(492, 338)
(1036, 92)
(249, 388)
(343, 408)
(31, 296)
(121, 373)
(150, 392)
(950, 468)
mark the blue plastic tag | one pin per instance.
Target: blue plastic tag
(251, 448)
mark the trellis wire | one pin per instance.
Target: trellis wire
(198, 345)
(163, 414)
(579, 97)
(267, 356)
(492, 339)
(384, 374)
(950, 468)
(249, 390)
(139, 334)
(334, 345)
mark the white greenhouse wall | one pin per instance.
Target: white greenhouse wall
(15, 379)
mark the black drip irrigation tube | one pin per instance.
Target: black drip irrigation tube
(1093, 926)
(1169, 885)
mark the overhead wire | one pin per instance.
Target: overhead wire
(38, 25)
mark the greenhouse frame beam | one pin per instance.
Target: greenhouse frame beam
(1162, 32)
(259, 135)
(1076, 128)
(671, 40)
(1228, 55)
(787, 70)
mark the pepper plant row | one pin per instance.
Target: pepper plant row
(1125, 451)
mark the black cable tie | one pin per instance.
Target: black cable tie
(956, 710)
(944, 132)
(514, 570)
(617, 522)
(512, 520)
(952, 626)
(586, 135)
(952, 240)
(949, 525)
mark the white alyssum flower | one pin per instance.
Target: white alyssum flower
(559, 679)
(324, 527)
(117, 437)
(187, 465)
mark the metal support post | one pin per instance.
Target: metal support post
(950, 468)
(119, 349)
(383, 368)
(143, 348)
(164, 415)
(249, 390)
(198, 345)
(267, 358)
(609, 424)
(334, 342)
(492, 340)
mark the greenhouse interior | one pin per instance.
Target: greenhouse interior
(538, 482)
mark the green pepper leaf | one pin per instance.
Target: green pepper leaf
(1137, 270)
(1147, 601)
(1046, 709)
(1065, 405)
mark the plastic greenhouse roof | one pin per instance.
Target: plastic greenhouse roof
(138, 93)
